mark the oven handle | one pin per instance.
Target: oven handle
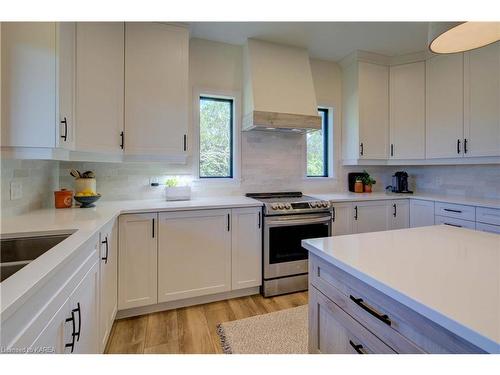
(301, 221)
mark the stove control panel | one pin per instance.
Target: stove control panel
(299, 206)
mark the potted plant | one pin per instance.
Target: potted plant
(368, 181)
(173, 192)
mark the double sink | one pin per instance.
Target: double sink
(17, 252)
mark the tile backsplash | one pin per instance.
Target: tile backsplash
(39, 179)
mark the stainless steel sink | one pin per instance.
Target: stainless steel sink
(15, 253)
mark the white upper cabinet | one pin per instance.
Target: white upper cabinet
(365, 123)
(99, 86)
(482, 101)
(29, 84)
(407, 111)
(156, 89)
(444, 103)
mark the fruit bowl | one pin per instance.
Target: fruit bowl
(87, 201)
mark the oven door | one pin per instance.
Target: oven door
(283, 252)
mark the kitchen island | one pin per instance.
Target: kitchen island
(421, 290)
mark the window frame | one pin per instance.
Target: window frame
(325, 125)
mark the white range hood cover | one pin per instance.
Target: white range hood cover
(278, 88)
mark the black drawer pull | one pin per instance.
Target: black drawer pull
(450, 210)
(382, 317)
(73, 334)
(356, 213)
(361, 149)
(357, 347)
(77, 334)
(65, 123)
(458, 146)
(105, 259)
(453, 225)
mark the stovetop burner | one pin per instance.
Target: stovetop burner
(282, 194)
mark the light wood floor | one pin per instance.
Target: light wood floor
(191, 329)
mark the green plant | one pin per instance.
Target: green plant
(367, 179)
(172, 182)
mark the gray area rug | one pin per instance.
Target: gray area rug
(280, 332)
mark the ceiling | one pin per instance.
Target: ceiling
(324, 40)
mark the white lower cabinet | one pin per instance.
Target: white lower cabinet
(370, 216)
(108, 281)
(399, 214)
(53, 337)
(194, 254)
(83, 321)
(246, 247)
(137, 260)
(488, 228)
(459, 223)
(342, 218)
(421, 213)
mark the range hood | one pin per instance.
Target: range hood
(278, 92)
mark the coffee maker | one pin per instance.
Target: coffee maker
(400, 183)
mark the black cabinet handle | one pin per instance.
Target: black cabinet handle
(73, 334)
(458, 146)
(453, 225)
(465, 145)
(185, 142)
(333, 214)
(382, 317)
(105, 259)
(395, 212)
(259, 223)
(357, 347)
(228, 222)
(450, 210)
(361, 149)
(65, 123)
(77, 334)
(122, 136)
(392, 149)
(153, 227)
(356, 213)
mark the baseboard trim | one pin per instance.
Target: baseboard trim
(186, 302)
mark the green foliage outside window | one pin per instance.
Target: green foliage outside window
(317, 164)
(216, 117)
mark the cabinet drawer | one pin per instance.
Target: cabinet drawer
(488, 215)
(335, 332)
(488, 228)
(401, 328)
(456, 211)
(454, 222)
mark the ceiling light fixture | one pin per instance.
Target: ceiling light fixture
(452, 37)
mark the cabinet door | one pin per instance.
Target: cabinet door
(137, 260)
(407, 111)
(54, 336)
(370, 216)
(246, 247)
(333, 331)
(108, 282)
(194, 254)
(28, 71)
(342, 219)
(373, 110)
(421, 213)
(84, 304)
(99, 86)
(66, 46)
(399, 214)
(488, 228)
(444, 106)
(156, 91)
(482, 101)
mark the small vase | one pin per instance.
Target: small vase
(368, 188)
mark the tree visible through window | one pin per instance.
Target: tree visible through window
(317, 148)
(216, 137)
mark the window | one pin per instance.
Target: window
(216, 137)
(317, 148)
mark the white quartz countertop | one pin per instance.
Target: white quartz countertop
(449, 275)
(455, 199)
(85, 223)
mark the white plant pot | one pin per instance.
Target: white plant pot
(178, 193)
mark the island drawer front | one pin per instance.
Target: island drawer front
(408, 332)
(454, 222)
(488, 215)
(457, 211)
(336, 332)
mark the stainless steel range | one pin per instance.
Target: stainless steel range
(289, 218)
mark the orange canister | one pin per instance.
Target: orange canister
(63, 198)
(358, 186)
